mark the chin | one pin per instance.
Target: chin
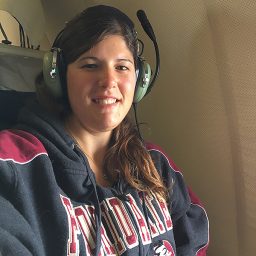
(108, 128)
(109, 125)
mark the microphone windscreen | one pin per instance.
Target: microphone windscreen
(145, 24)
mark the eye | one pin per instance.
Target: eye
(122, 68)
(89, 66)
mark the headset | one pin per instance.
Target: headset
(54, 68)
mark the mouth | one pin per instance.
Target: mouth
(105, 101)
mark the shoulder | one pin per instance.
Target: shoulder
(160, 157)
(170, 172)
(19, 146)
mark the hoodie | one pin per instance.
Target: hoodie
(51, 204)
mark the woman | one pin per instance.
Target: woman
(75, 176)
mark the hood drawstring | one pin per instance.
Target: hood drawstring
(97, 212)
(97, 218)
(145, 209)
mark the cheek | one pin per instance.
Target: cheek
(129, 86)
(71, 77)
(74, 90)
(75, 83)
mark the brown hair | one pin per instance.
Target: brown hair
(127, 152)
(128, 155)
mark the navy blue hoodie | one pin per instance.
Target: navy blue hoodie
(50, 204)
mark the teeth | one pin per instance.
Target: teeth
(105, 101)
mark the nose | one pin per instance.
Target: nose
(108, 78)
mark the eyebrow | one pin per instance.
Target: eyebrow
(86, 57)
(96, 59)
(126, 60)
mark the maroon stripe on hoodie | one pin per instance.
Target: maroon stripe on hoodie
(19, 146)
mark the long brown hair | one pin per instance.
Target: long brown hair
(128, 155)
(127, 152)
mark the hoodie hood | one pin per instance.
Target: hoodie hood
(66, 161)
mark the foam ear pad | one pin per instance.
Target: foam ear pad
(143, 81)
(51, 73)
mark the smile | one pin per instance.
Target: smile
(106, 101)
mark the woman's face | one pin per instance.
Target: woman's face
(101, 84)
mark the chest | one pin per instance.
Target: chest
(127, 227)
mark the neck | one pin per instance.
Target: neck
(93, 143)
(94, 147)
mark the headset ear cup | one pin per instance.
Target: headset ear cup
(51, 73)
(143, 81)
